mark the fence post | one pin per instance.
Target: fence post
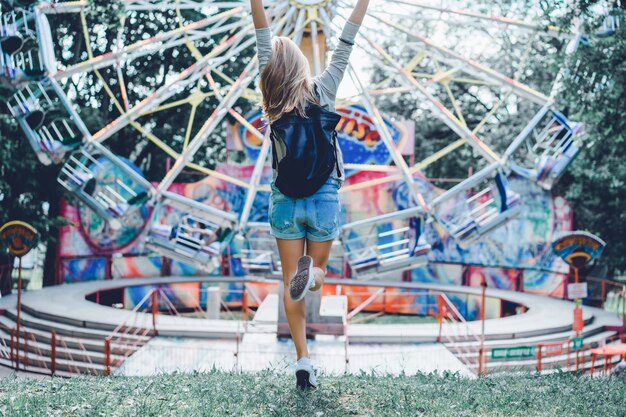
(25, 350)
(623, 308)
(346, 343)
(155, 310)
(483, 306)
(237, 348)
(107, 356)
(440, 308)
(539, 358)
(484, 358)
(53, 352)
(13, 358)
(569, 352)
(244, 304)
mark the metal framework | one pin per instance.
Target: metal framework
(197, 234)
(389, 242)
(45, 90)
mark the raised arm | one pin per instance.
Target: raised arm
(329, 80)
(263, 33)
(258, 14)
(359, 12)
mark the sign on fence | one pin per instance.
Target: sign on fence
(577, 343)
(578, 290)
(513, 352)
(553, 349)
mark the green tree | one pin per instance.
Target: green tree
(28, 190)
(595, 183)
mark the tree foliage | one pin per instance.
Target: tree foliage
(592, 92)
(595, 184)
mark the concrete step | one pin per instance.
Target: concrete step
(472, 350)
(69, 320)
(32, 322)
(5, 362)
(42, 364)
(551, 364)
(93, 345)
(588, 331)
(548, 362)
(78, 355)
(470, 355)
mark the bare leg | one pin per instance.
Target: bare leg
(290, 251)
(319, 251)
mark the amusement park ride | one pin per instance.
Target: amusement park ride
(45, 91)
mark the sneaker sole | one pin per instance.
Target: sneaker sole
(300, 283)
(302, 380)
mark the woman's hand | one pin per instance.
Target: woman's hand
(258, 14)
(359, 11)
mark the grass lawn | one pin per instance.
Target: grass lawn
(271, 394)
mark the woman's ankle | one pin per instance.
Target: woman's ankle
(319, 275)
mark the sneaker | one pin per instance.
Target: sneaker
(303, 280)
(305, 374)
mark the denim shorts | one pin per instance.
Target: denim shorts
(315, 217)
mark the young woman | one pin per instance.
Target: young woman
(304, 228)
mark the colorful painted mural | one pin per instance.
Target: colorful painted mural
(192, 298)
(514, 256)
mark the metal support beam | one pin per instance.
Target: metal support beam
(210, 124)
(154, 44)
(438, 108)
(385, 135)
(164, 5)
(472, 67)
(53, 7)
(255, 180)
(547, 30)
(183, 79)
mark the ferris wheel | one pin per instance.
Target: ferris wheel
(146, 58)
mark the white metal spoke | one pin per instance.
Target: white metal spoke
(210, 124)
(388, 141)
(152, 45)
(164, 5)
(315, 47)
(183, 79)
(437, 107)
(472, 67)
(255, 180)
(539, 29)
(299, 27)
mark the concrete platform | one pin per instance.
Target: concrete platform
(259, 352)
(67, 304)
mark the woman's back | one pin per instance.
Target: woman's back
(324, 86)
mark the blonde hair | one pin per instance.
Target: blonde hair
(286, 83)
